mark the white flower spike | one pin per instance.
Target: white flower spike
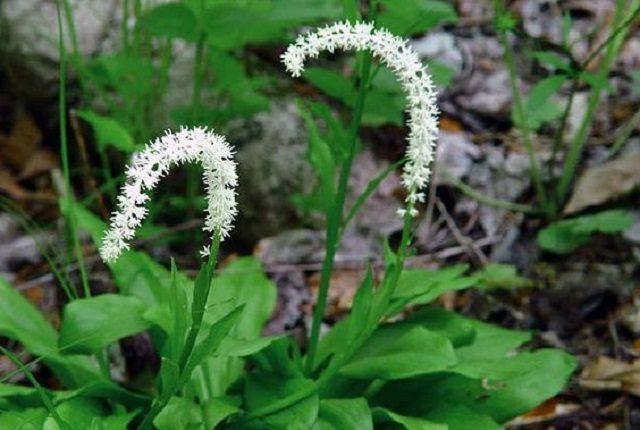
(395, 53)
(147, 168)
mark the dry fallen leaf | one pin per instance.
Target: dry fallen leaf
(607, 374)
(22, 142)
(607, 182)
(41, 162)
(549, 410)
(344, 284)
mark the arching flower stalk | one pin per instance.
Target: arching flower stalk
(414, 77)
(147, 168)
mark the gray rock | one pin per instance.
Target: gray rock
(455, 156)
(29, 34)
(272, 167)
(632, 234)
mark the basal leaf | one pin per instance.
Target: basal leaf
(406, 422)
(400, 351)
(409, 17)
(173, 20)
(564, 236)
(109, 132)
(339, 414)
(91, 324)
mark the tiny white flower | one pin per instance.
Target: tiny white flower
(150, 165)
(414, 77)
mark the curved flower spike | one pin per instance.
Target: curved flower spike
(395, 53)
(150, 165)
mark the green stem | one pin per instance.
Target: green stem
(579, 141)
(623, 135)
(334, 217)
(487, 200)
(190, 343)
(64, 155)
(520, 113)
(389, 286)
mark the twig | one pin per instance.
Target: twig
(104, 213)
(463, 240)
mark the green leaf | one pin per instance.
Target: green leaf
(25, 419)
(539, 107)
(173, 20)
(21, 321)
(530, 379)
(78, 412)
(242, 282)
(217, 409)
(135, 273)
(400, 351)
(217, 333)
(113, 422)
(383, 415)
(231, 24)
(91, 324)
(361, 309)
(564, 236)
(381, 106)
(179, 414)
(408, 17)
(421, 286)
(441, 73)
(339, 414)
(553, 59)
(462, 418)
(460, 331)
(263, 388)
(495, 275)
(108, 132)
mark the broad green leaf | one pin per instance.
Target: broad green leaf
(401, 351)
(173, 20)
(495, 275)
(381, 106)
(553, 59)
(459, 330)
(382, 415)
(24, 419)
(531, 379)
(108, 132)
(462, 418)
(231, 24)
(135, 273)
(361, 309)
(263, 388)
(231, 347)
(113, 422)
(562, 237)
(78, 412)
(21, 321)
(241, 90)
(179, 414)
(91, 324)
(210, 343)
(217, 409)
(421, 286)
(539, 106)
(490, 342)
(441, 74)
(242, 282)
(409, 17)
(339, 414)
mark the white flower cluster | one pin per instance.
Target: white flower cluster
(396, 54)
(150, 165)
